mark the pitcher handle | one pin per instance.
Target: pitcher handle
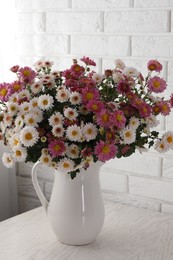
(37, 188)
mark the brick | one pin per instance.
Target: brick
(73, 22)
(167, 168)
(152, 46)
(110, 181)
(41, 4)
(153, 3)
(167, 208)
(98, 4)
(169, 122)
(136, 21)
(25, 186)
(132, 200)
(151, 188)
(42, 44)
(31, 22)
(26, 204)
(99, 45)
(170, 71)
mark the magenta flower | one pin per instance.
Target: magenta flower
(56, 148)
(165, 108)
(123, 87)
(88, 61)
(14, 68)
(17, 86)
(27, 75)
(5, 91)
(105, 151)
(95, 106)
(104, 118)
(90, 94)
(77, 70)
(119, 119)
(154, 65)
(157, 85)
(145, 110)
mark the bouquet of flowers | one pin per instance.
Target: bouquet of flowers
(69, 119)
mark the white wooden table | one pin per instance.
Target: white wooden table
(129, 234)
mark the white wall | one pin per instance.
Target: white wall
(133, 30)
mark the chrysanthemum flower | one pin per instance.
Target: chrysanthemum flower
(90, 94)
(95, 106)
(98, 77)
(90, 131)
(145, 110)
(104, 118)
(38, 65)
(118, 118)
(131, 72)
(154, 65)
(13, 108)
(13, 98)
(161, 146)
(134, 122)
(31, 119)
(36, 87)
(47, 64)
(33, 103)
(168, 138)
(88, 61)
(118, 76)
(128, 135)
(65, 165)
(27, 75)
(165, 108)
(105, 151)
(157, 85)
(5, 91)
(45, 101)
(75, 98)
(14, 141)
(8, 160)
(25, 107)
(56, 148)
(45, 159)
(119, 64)
(77, 70)
(19, 154)
(58, 131)
(70, 113)
(123, 87)
(19, 122)
(73, 151)
(56, 119)
(37, 113)
(152, 121)
(62, 95)
(29, 136)
(24, 95)
(7, 119)
(74, 133)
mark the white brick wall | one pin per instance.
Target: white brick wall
(133, 30)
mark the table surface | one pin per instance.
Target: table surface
(129, 233)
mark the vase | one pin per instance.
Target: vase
(76, 208)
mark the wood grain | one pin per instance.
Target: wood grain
(129, 233)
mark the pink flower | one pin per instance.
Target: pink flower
(87, 82)
(154, 65)
(119, 119)
(156, 85)
(56, 148)
(95, 106)
(5, 91)
(14, 68)
(90, 94)
(105, 151)
(145, 110)
(123, 87)
(171, 100)
(17, 86)
(88, 61)
(104, 118)
(165, 108)
(27, 75)
(77, 70)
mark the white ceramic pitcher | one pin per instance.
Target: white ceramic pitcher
(76, 208)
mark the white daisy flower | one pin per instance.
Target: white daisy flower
(75, 98)
(134, 122)
(25, 107)
(24, 94)
(45, 79)
(31, 119)
(38, 65)
(168, 139)
(53, 165)
(62, 95)
(8, 160)
(58, 131)
(13, 98)
(29, 136)
(74, 133)
(36, 87)
(7, 119)
(117, 76)
(12, 108)
(19, 122)
(73, 151)
(19, 154)
(119, 64)
(14, 141)
(51, 84)
(131, 72)
(70, 113)
(161, 146)
(98, 77)
(152, 121)
(47, 64)
(55, 74)
(38, 114)
(45, 101)
(45, 159)
(89, 131)
(45, 151)
(8, 134)
(56, 119)
(65, 165)
(33, 103)
(128, 135)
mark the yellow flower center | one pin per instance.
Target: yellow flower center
(89, 95)
(3, 92)
(31, 121)
(169, 139)
(26, 73)
(128, 134)
(28, 136)
(57, 147)
(119, 117)
(45, 102)
(74, 133)
(156, 84)
(65, 165)
(16, 142)
(105, 118)
(106, 149)
(16, 87)
(46, 159)
(18, 153)
(89, 131)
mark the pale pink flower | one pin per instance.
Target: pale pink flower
(157, 85)
(154, 65)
